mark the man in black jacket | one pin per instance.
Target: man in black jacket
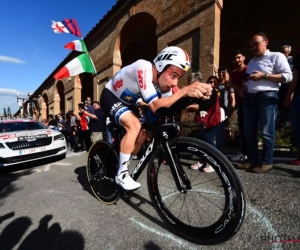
(97, 124)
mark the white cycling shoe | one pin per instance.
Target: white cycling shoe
(126, 182)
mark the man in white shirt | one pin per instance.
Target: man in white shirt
(265, 72)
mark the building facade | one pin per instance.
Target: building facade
(139, 29)
(132, 30)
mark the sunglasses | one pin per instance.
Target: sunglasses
(211, 81)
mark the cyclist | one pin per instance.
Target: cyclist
(144, 79)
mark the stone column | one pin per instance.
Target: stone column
(77, 93)
(210, 42)
(218, 10)
(56, 104)
(44, 110)
(117, 60)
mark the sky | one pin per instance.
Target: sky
(29, 49)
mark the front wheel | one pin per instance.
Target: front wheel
(209, 211)
(101, 170)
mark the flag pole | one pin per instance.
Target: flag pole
(98, 81)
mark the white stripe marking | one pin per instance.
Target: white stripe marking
(260, 217)
(266, 222)
(72, 154)
(14, 176)
(47, 167)
(62, 163)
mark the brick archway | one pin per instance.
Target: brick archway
(143, 17)
(138, 39)
(59, 98)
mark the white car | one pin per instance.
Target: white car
(23, 140)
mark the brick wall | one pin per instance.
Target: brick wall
(190, 24)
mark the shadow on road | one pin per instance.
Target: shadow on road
(292, 172)
(10, 174)
(151, 246)
(29, 165)
(44, 237)
(82, 179)
(136, 207)
(6, 216)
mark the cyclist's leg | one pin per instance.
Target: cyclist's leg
(123, 116)
(139, 142)
(132, 126)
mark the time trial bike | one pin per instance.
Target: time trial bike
(204, 208)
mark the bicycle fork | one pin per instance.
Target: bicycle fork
(181, 180)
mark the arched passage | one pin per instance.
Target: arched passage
(138, 39)
(60, 91)
(87, 86)
(45, 107)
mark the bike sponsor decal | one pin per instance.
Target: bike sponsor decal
(118, 84)
(229, 189)
(243, 211)
(153, 172)
(141, 78)
(149, 150)
(97, 160)
(113, 196)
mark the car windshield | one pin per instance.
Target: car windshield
(12, 126)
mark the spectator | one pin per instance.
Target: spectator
(226, 93)
(45, 122)
(73, 130)
(266, 70)
(83, 130)
(88, 105)
(97, 124)
(237, 78)
(283, 111)
(286, 50)
(61, 123)
(52, 121)
(213, 133)
(293, 100)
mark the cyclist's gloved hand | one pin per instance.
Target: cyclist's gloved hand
(198, 90)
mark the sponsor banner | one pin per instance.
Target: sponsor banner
(31, 137)
(25, 135)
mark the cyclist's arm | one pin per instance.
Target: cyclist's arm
(167, 101)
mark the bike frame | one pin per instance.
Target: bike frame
(160, 140)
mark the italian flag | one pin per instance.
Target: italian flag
(77, 45)
(77, 66)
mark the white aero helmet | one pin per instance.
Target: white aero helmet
(172, 56)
